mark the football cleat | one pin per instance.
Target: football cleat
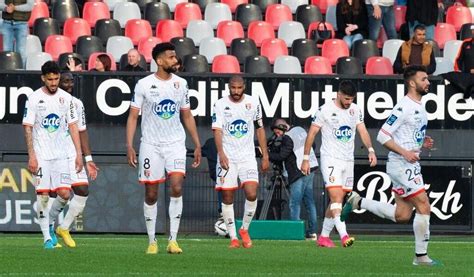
(347, 241)
(48, 244)
(152, 248)
(54, 239)
(64, 233)
(173, 247)
(312, 236)
(234, 243)
(325, 242)
(352, 203)
(426, 261)
(246, 241)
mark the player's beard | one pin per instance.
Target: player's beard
(236, 97)
(171, 69)
(422, 91)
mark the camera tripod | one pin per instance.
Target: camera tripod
(277, 187)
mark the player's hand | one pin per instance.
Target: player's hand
(377, 12)
(372, 159)
(197, 157)
(132, 157)
(79, 163)
(305, 167)
(223, 161)
(92, 170)
(428, 143)
(411, 156)
(265, 163)
(33, 164)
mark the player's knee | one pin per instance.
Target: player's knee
(81, 190)
(252, 197)
(402, 217)
(53, 194)
(64, 194)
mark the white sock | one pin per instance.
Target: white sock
(56, 208)
(340, 226)
(43, 215)
(380, 209)
(229, 219)
(328, 225)
(249, 212)
(150, 212)
(175, 209)
(421, 228)
(76, 206)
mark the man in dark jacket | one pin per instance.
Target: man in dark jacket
(465, 59)
(423, 12)
(301, 186)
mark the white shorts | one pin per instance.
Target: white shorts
(52, 175)
(156, 161)
(337, 173)
(406, 177)
(245, 172)
(77, 179)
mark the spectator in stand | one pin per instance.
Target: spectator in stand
(381, 12)
(15, 14)
(74, 64)
(352, 21)
(102, 63)
(133, 61)
(423, 12)
(465, 59)
(416, 51)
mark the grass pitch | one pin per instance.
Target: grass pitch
(207, 256)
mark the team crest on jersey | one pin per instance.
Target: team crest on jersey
(61, 100)
(176, 85)
(238, 128)
(248, 106)
(166, 109)
(51, 123)
(343, 134)
(419, 136)
(351, 112)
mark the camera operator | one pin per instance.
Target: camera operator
(287, 147)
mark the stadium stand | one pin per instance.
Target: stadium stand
(294, 4)
(443, 66)
(287, 65)
(276, 14)
(94, 11)
(145, 47)
(243, 48)
(333, 49)
(56, 45)
(173, 3)
(64, 59)
(258, 31)
(75, 27)
(317, 65)
(124, 11)
(390, 49)
(44, 27)
(307, 14)
(105, 28)
(154, 12)
(290, 31)
(444, 32)
(198, 30)
(184, 46)
(10, 61)
(167, 29)
(225, 64)
(86, 45)
(33, 44)
(303, 49)
(263, 4)
(257, 65)
(323, 4)
(34, 61)
(233, 4)
(379, 66)
(211, 47)
(117, 46)
(63, 10)
(246, 13)
(364, 49)
(40, 9)
(195, 63)
(229, 30)
(185, 12)
(217, 12)
(273, 48)
(124, 62)
(451, 49)
(93, 57)
(457, 16)
(136, 29)
(348, 66)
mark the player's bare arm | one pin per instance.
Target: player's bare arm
(262, 142)
(190, 124)
(91, 167)
(74, 131)
(32, 161)
(365, 137)
(409, 155)
(130, 129)
(223, 160)
(313, 131)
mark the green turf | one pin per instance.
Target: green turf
(125, 255)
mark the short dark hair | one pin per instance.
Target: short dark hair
(50, 67)
(348, 88)
(160, 48)
(236, 79)
(411, 71)
(419, 27)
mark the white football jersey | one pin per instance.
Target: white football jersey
(406, 125)
(50, 114)
(236, 120)
(81, 124)
(160, 102)
(338, 129)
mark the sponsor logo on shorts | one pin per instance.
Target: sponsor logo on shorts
(419, 136)
(238, 128)
(166, 109)
(65, 178)
(147, 173)
(399, 191)
(179, 164)
(51, 122)
(252, 174)
(332, 179)
(343, 134)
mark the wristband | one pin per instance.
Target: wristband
(88, 158)
(371, 149)
(305, 157)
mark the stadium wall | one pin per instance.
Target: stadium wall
(115, 201)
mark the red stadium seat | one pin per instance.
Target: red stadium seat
(137, 29)
(457, 16)
(333, 49)
(317, 65)
(234, 3)
(258, 31)
(444, 32)
(323, 4)
(168, 29)
(276, 14)
(40, 9)
(56, 45)
(76, 27)
(314, 25)
(185, 12)
(93, 57)
(94, 11)
(273, 48)
(229, 30)
(399, 12)
(379, 66)
(225, 64)
(145, 47)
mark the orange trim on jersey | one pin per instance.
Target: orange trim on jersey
(61, 188)
(80, 184)
(184, 109)
(135, 108)
(226, 189)
(346, 190)
(248, 182)
(176, 172)
(152, 182)
(27, 124)
(385, 132)
(414, 194)
(216, 128)
(334, 186)
(42, 190)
